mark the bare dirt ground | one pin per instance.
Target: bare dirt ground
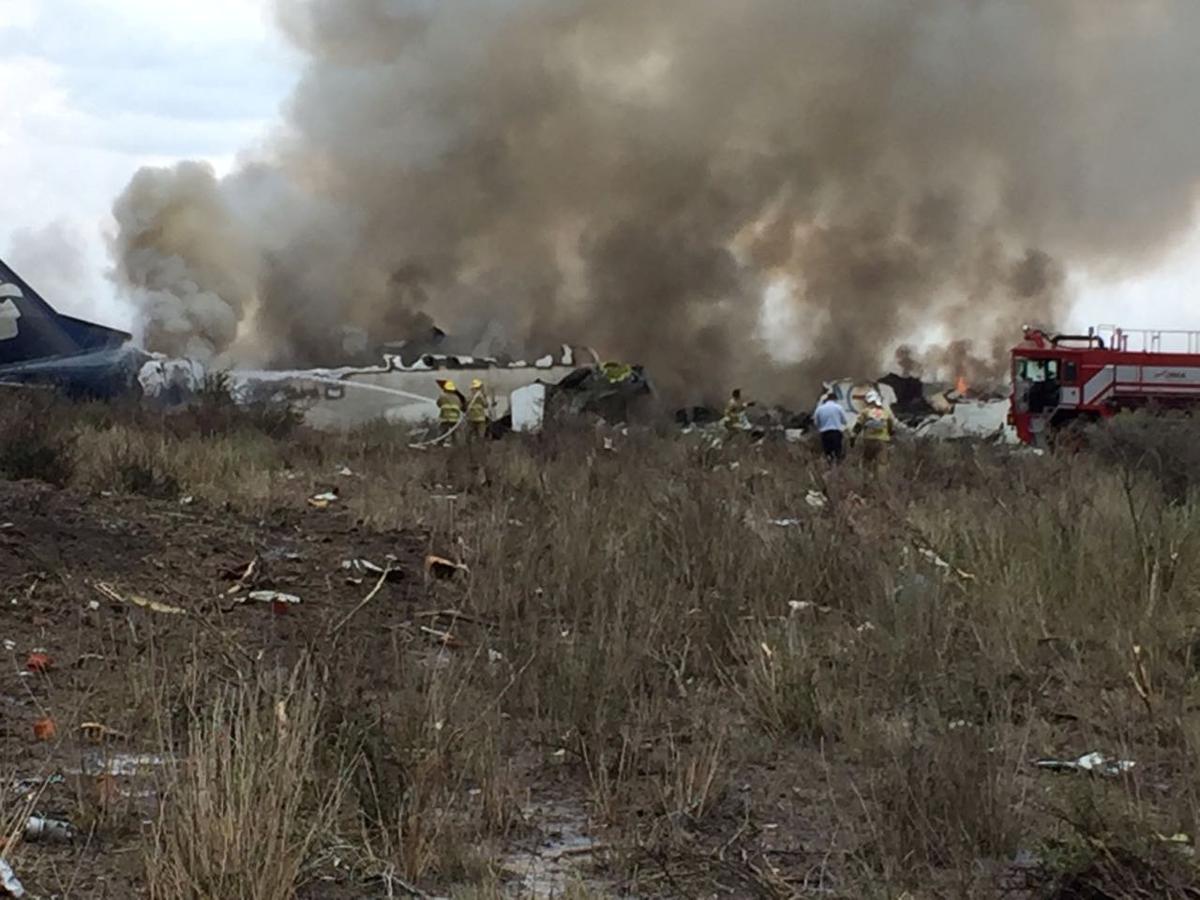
(666, 670)
(57, 546)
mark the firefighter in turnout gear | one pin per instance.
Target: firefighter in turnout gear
(450, 408)
(735, 413)
(877, 426)
(479, 409)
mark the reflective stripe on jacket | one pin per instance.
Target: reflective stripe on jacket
(477, 407)
(450, 408)
(876, 424)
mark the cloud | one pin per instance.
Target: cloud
(103, 87)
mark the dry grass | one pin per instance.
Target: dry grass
(244, 807)
(849, 705)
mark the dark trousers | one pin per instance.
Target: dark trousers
(833, 445)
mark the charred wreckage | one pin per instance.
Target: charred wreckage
(41, 347)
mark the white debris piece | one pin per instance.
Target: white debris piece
(1092, 763)
(970, 419)
(173, 380)
(274, 597)
(787, 523)
(816, 499)
(9, 882)
(121, 765)
(528, 408)
(546, 362)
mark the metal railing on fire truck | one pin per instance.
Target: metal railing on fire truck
(1147, 340)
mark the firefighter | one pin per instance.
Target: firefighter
(617, 372)
(735, 413)
(478, 410)
(877, 426)
(450, 408)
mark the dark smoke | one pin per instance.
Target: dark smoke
(634, 175)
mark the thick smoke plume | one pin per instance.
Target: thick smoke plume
(638, 176)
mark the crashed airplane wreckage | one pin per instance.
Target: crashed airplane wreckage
(41, 346)
(522, 394)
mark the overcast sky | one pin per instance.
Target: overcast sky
(94, 89)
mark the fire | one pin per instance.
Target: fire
(961, 386)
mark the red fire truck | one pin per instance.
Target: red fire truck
(1068, 378)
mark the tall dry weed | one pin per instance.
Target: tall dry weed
(243, 809)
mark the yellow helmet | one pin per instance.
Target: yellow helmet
(476, 384)
(448, 386)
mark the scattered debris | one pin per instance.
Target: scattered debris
(440, 567)
(8, 881)
(1091, 763)
(28, 787)
(816, 499)
(274, 597)
(361, 569)
(323, 501)
(44, 729)
(280, 602)
(787, 523)
(134, 600)
(121, 765)
(38, 828)
(345, 472)
(99, 733)
(38, 662)
(187, 500)
(968, 419)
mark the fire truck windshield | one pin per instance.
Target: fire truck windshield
(1037, 370)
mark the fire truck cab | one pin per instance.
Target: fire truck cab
(1063, 379)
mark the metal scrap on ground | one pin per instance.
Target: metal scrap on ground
(8, 881)
(134, 600)
(274, 597)
(1090, 763)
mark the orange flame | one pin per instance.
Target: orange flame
(961, 385)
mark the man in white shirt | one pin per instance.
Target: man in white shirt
(831, 420)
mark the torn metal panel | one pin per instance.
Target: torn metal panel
(529, 408)
(171, 381)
